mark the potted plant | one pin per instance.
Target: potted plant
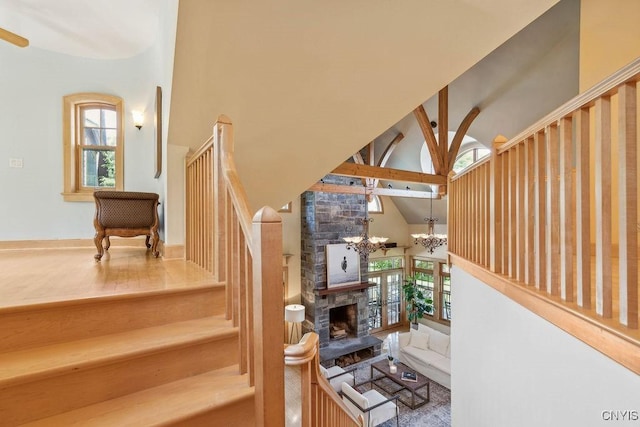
(416, 303)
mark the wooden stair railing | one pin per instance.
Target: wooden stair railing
(521, 219)
(246, 255)
(321, 405)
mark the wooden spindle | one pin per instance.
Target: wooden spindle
(583, 209)
(495, 211)
(530, 209)
(604, 301)
(628, 205)
(540, 208)
(567, 224)
(552, 227)
(520, 212)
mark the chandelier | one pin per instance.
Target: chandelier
(363, 244)
(430, 241)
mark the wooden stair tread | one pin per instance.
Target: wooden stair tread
(58, 359)
(162, 405)
(131, 294)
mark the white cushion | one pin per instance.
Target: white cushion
(324, 371)
(424, 328)
(439, 342)
(428, 358)
(348, 391)
(419, 340)
(383, 412)
(403, 339)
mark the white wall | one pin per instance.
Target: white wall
(291, 229)
(32, 84)
(513, 368)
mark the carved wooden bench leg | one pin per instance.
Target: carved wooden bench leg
(107, 243)
(97, 240)
(146, 242)
(154, 245)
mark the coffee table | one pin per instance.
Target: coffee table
(413, 387)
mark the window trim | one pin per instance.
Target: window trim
(379, 199)
(438, 286)
(73, 192)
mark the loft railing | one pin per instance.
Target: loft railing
(524, 220)
(321, 405)
(246, 254)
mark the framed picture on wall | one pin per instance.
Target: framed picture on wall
(343, 266)
(157, 143)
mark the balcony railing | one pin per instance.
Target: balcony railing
(548, 220)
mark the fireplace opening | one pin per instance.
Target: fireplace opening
(343, 322)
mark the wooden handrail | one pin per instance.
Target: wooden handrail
(245, 253)
(236, 189)
(531, 203)
(198, 154)
(321, 405)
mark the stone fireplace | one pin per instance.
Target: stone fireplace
(326, 219)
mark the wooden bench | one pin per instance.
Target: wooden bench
(125, 214)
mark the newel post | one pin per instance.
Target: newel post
(268, 316)
(495, 211)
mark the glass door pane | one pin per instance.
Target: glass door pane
(394, 287)
(375, 303)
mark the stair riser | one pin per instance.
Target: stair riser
(237, 414)
(69, 320)
(49, 396)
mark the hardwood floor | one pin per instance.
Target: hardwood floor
(32, 276)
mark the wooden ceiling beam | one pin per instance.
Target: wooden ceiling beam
(13, 38)
(429, 137)
(460, 133)
(358, 159)
(443, 127)
(387, 154)
(387, 151)
(366, 171)
(357, 189)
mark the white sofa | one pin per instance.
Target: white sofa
(427, 351)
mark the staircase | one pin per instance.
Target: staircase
(160, 358)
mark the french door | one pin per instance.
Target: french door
(385, 305)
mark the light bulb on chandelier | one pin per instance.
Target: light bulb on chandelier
(363, 244)
(430, 240)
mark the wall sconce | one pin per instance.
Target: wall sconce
(138, 119)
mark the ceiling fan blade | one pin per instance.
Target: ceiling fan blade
(13, 38)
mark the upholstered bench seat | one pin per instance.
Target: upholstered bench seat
(125, 214)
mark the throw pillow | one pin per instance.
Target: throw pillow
(419, 340)
(439, 342)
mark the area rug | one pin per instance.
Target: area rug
(435, 413)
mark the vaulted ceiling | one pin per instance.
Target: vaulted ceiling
(307, 84)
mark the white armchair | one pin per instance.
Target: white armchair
(336, 376)
(371, 405)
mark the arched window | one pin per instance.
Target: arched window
(375, 205)
(93, 144)
(469, 157)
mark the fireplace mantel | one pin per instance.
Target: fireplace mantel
(359, 286)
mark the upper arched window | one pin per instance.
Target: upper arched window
(93, 141)
(469, 157)
(375, 205)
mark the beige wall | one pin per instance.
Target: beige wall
(291, 246)
(609, 40)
